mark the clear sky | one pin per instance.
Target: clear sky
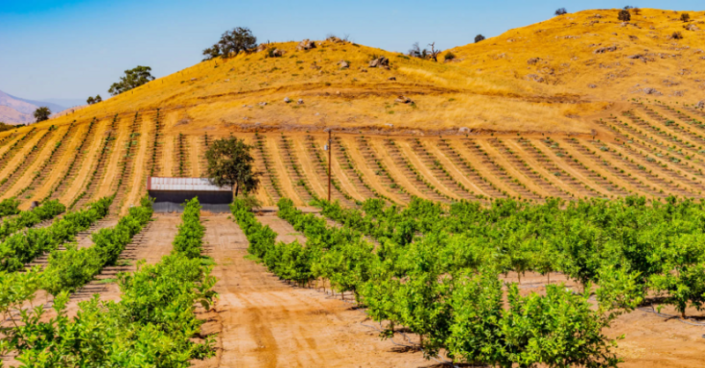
(77, 48)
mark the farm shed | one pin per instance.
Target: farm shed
(171, 193)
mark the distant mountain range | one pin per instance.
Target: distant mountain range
(16, 110)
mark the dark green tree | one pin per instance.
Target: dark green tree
(42, 113)
(479, 38)
(231, 43)
(685, 17)
(212, 52)
(230, 163)
(561, 11)
(94, 100)
(624, 15)
(133, 78)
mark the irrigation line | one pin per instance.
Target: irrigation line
(671, 316)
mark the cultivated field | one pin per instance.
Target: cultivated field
(652, 149)
(606, 109)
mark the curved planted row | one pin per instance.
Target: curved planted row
(321, 167)
(21, 248)
(270, 181)
(599, 180)
(154, 160)
(71, 172)
(29, 157)
(182, 150)
(97, 171)
(48, 210)
(15, 147)
(300, 182)
(70, 269)
(348, 167)
(441, 174)
(48, 164)
(468, 170)
(383, 176)
(153, 324)
(126, 163)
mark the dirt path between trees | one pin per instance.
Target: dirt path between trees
(285, 232)
(267, 323)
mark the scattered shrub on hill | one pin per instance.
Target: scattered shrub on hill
(685, 17)
(561, 11)
(231, 43)
(479, 38)
(624, 16)
(449, 56)
(636, 11)
(133, 78)
(677, 36)
(42, 114)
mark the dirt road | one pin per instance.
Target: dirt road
(267, 323)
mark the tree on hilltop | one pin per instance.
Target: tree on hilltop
(685, 17)
(561, 11)
(434, 53)
(231, 43)
(417, 52)
(231, 163)
(42, 114)
(479, 38)
(624, 16)
(94, 100)
(133, 78)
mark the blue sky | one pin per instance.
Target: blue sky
(76, 48)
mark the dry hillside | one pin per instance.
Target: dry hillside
(597, 57)
(526, 99)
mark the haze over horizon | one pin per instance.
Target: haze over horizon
(46, 52)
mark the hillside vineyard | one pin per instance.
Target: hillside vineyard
(654, 149)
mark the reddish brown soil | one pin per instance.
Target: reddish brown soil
(264, 322)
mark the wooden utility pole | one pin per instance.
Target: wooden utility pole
(330, 149)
